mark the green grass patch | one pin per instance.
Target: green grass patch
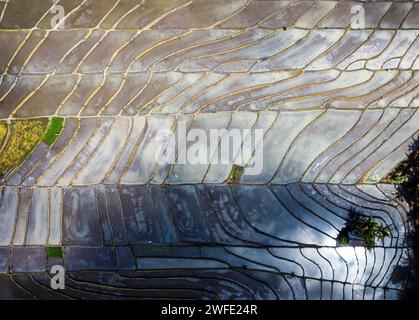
(55, 252)
(236, 174)
(55, 126)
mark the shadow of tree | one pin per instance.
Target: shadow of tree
(406, 177)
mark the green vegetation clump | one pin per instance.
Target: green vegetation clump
(366, 229)
(235, 174)
(54, 129)
(54, 252)
(25, 135)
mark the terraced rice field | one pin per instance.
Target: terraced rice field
(82, 106)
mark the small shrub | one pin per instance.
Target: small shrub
(366, 229)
